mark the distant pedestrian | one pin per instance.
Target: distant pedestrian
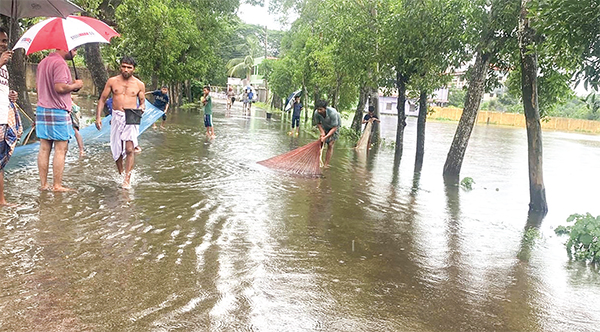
(244, 101)
(296, 116)
(208, 123)
(53, 119)
(250, 99)
(230, 98)
(161, 101)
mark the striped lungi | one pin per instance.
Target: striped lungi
(9, 135)
(53, 124)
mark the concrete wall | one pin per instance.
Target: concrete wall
(84, 74)
(518, 120)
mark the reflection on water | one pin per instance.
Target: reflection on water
(209, 240)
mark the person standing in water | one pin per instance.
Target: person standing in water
(53, 124)
(207, 101)
(296, 116)
(10, 124)
(161, 101)
(328, 121)
(75, 119)
(128, 92)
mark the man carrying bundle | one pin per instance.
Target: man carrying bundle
(128, 92)
(328, 121)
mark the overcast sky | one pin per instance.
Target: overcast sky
(260, 16)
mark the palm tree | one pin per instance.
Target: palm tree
(242, 66)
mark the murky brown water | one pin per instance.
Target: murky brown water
(210, 241)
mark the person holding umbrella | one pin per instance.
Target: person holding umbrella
(55, 84)
(53, 120)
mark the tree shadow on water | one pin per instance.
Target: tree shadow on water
(530, 235)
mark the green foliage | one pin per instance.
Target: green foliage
(584, 237)
(467, 183)
(456, 97)
(553, 86)
(570, 30)
(349, 134)
(281, 77)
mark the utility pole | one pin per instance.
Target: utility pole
(266, 83)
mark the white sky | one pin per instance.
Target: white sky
(260, 16)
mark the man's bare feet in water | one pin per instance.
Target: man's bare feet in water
(81, 154)
(45, 188)
(6, 204)
(126, 181)
(62, 189)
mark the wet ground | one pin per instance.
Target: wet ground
(208, 240)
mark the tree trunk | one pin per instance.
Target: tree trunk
(375, 133)
(95, 64)
(358, 115)
(16, 70)
(526, 34)
(304, 99)
(401, 81)
(475, 91)
(421, 131)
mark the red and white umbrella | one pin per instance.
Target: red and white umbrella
(64, 34)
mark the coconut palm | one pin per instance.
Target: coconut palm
(242, 67)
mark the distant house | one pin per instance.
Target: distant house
(389, 105)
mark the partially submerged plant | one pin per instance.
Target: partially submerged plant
(584, 237)
(467, 183)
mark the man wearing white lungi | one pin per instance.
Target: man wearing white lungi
(128, 92)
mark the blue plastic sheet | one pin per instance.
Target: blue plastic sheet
(26, 154)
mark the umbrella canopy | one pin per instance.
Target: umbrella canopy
(290, 101)
(37, 8)
(64, 34)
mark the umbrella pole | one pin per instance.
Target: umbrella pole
(74, 69)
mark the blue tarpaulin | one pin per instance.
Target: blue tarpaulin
(26, 154)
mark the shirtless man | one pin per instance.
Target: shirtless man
(127, 93)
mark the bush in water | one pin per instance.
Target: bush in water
(584, 237)
(467, 183)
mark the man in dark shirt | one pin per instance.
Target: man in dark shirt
(161, 101)
(370, 115)
(296, 116)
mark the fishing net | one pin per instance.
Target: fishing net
(305, 160)
(363, 142)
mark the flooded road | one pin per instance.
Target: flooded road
(210, 241)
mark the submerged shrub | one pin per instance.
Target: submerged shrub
(349, 134)
(584, 237)
(467, 183)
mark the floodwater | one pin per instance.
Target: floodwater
(207, 240)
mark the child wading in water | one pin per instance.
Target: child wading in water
(207, 101)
